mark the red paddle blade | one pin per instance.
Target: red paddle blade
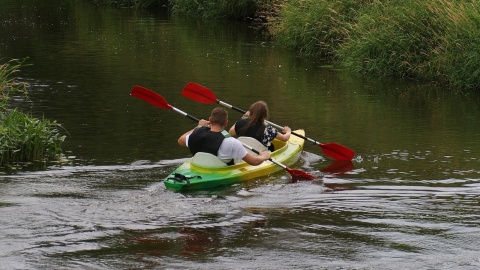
(151, 97)
(297, 174)
(199, 93)
(337, 151)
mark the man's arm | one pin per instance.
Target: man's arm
(256, 160)
(182, 141)
(239, 152)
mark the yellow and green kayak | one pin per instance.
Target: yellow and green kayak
(204, 172)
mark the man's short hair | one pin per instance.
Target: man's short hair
(219, 116)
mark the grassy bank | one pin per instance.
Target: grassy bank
(432, 40)
(23, 138)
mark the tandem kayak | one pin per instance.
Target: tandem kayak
(205, 171)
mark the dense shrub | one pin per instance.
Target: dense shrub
(23, 138)
(434, 40)
(316, 27)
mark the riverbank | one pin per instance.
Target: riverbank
(436, 41)
(23, 138)
(432, 40)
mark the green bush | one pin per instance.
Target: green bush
(400, 38)
(8, 86)
(434, 40)
(316, 27)
(23, 138)
(462, 43)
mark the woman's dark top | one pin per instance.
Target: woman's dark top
(262, 133)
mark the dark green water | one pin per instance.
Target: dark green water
(411, 200)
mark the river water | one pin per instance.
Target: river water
(409, 200)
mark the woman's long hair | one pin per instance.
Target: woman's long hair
(258, 114)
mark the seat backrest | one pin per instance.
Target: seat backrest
(252, 143)
(207, 160)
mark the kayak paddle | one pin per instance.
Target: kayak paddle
(204, 95)
(157, 100)
(294, 173)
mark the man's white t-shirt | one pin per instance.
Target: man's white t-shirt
(230, 148)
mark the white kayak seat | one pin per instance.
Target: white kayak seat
(207, 160)
(252, 143)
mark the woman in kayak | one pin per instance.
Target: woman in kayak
(210, 137)
(253, 125)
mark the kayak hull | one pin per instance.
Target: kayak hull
(190, 176)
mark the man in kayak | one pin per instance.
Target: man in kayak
(253, 125)
(210, 137)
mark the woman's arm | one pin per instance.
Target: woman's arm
(286, 134)
(232, 131)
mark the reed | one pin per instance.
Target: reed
(461, 43)
(8, 86)
(434, 40)
(316, 27)
(393, 39)
(23, 138)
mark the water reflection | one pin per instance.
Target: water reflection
(339, 166)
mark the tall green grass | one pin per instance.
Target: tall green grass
(23, 138)
(435, 40)
(316, 27)
(398, 38)
(8, 86)
(462, 43)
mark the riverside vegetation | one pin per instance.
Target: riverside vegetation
(430, 40)
(23, 138)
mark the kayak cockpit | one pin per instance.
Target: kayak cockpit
(208, 160)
